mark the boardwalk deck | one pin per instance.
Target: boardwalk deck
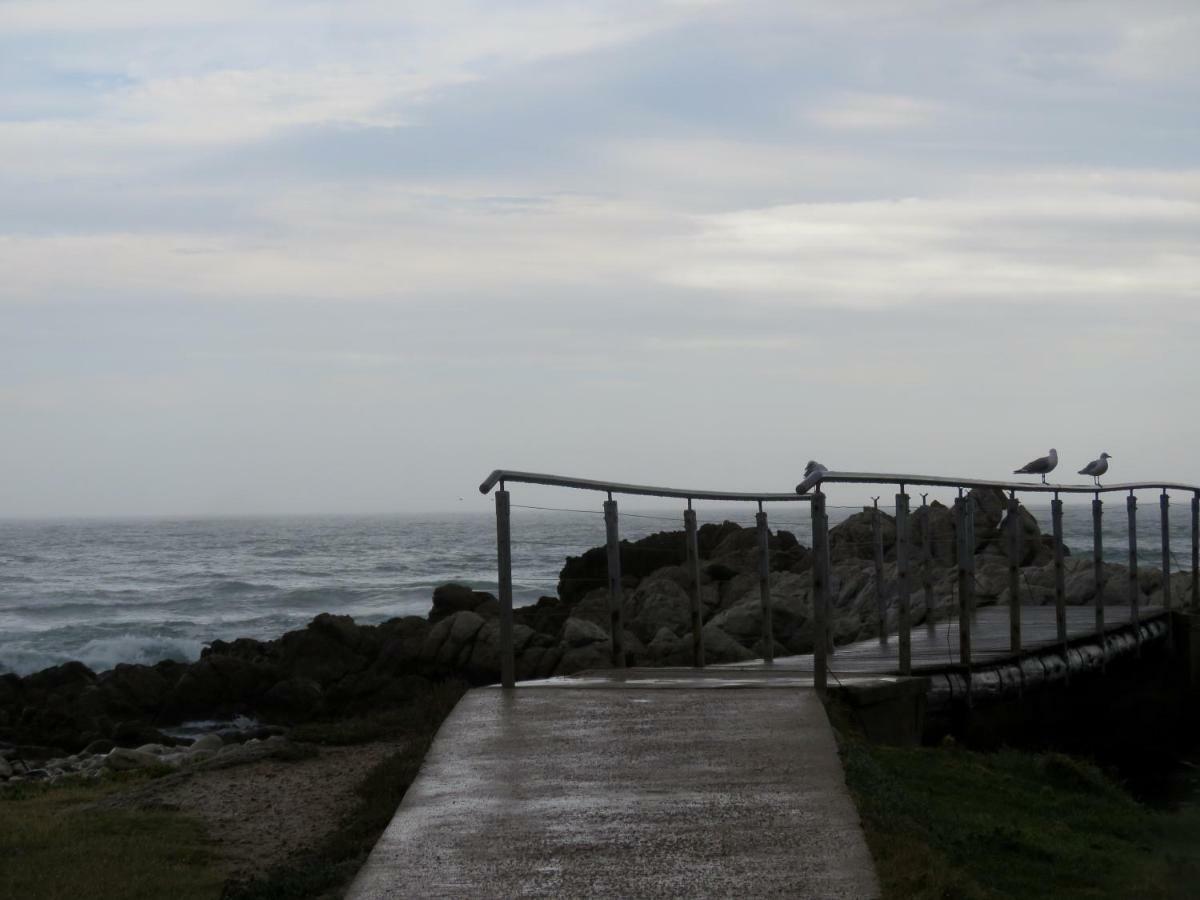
(626, 793)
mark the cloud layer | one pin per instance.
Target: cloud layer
(388, 222)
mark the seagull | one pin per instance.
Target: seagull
(1096, 468)
(812, 475)
(814, 466)
(1042, 466)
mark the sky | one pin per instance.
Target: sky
(299, 257)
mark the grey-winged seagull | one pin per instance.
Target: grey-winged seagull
(812, 474)
(1041, 466)
(1096, 468)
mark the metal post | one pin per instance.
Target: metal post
(1131, 506)
(693, 563)
(1196, 553)
(1014, 574)
(1060, 577)
(820, 590)
(880, 603)
(764, 584)
(1164, 505)
(1098, 571)
(615, 594)
(902, 588)
(927, 552)
(504, 563)
(965, 513)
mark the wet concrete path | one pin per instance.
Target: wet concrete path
(684, 787)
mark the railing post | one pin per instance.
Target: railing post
(1014, 573)
(1131, 507)
(880, 602)
(1060, 577)
(1164, 505)
(902, 587)
(504, 563)
(1196, 552)
(966, 555)
(693, 564)
(764, 584)
(820, 590)
(1098, 572)
(927, 554)
(615, 594)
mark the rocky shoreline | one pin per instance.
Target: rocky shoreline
(71, 720)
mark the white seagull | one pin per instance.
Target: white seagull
(1096, 468)
(1042, 466)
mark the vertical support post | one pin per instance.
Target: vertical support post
(1196, 552)
(880, 602)
(1013, 523)
(1060, 577)
(615, 595)
(902, 587)
(1131, 507)
(820, 591)
(927, 554)
(1098, 571)
(693, 564)
(764, 584)
(1164, 506)
(504, 563)
(964, 507)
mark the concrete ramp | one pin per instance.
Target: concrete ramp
(676, 789)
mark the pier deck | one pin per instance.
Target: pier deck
(562, 790)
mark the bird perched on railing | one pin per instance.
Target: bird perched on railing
(814, 466)
(1096, 468)
(1043, 466)
(812, 474)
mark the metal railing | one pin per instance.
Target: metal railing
(964, 512)
(811, 491)
(613, 541)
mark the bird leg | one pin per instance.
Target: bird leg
(1043, 478)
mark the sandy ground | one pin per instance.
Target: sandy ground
(260, 813)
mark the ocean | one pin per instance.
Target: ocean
(140, 590)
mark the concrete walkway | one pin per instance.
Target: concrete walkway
(591, 787)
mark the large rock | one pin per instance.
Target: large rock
(720, 647)
(657, 603)
(122, 759)
(449, 599)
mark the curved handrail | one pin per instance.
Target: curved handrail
(615, 487)
(1018, 486)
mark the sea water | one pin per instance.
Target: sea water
(141, 590)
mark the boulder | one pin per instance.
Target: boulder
(720, 647)
(657, 603)
(122, 759)
(211, 742)
(449, 599)
(294, 699)
(580, 633)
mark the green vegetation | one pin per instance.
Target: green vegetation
(55, 843)
(328, 869)
(950, 823)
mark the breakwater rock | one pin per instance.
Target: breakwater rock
(337, 667)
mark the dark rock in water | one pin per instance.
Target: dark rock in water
(449, 599)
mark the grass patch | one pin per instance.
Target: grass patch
(951, 823)
(55, 844)
(327, 871)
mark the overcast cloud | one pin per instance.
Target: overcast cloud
(307, 257)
